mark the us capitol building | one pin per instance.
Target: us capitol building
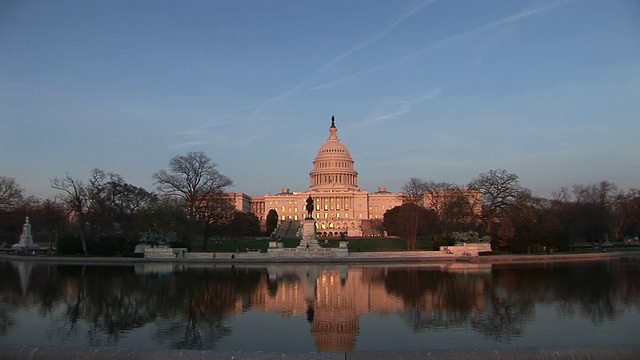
(340, 205)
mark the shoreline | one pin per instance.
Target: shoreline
(622, 351)
(370, 258)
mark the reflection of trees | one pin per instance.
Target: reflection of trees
(434, 298)
(206, 297)
(190, 306)
(501, 304)
(109, 301)
(505, 317)
(510, 305)
(627, 276)
(587, 289)
(194, 331)
(9, 296)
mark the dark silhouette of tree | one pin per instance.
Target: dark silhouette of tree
(194, 178)
(76, 197)
(53, 221)
(191, 177)
(166, 217)
(214, 213)
(595, 204)
(412, 194)
(586, 212)
(113, 208)
(244, 224)
(409, 221)
(105, 210)
(451, 206)
(10, 192)
(499, 190)
(272, 221)
(627, 214)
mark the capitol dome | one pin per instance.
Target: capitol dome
(333, 167)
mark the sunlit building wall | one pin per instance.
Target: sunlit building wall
(340, 206)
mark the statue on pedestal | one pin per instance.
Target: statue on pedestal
(26, 240)
(309, 207)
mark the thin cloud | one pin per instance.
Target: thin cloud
(290, 92)
(192, 132)
(492, 25)
(393, 152)
(404, 15)
(446, 42)
(399, 108)
(189, 144)
(407, 12)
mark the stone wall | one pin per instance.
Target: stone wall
(471, 249)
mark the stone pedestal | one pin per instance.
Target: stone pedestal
(309, 247)
(274, 244)
(26, 240)
(309, 240)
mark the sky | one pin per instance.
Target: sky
(434, 89)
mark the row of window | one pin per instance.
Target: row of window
(325, 165)
(320, 216)
(339, 178)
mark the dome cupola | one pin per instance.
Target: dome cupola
(333, 167)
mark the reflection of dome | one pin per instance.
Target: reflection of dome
(336, 335)
(333, 166)
(336, 322)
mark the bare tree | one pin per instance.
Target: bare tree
(451, 205)
(628, 213)
(413, 193)
(190, 177)
(499, 190)
(54, 215)
(597, 203)
(76, 198)
(214, 210)
(10, 192)
(113, 206)
(193, 177)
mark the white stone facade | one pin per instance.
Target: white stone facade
(339, 204)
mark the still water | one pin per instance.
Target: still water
(292, 308)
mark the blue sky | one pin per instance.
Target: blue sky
(440, 90)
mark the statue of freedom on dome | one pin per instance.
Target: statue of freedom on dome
(309, 207)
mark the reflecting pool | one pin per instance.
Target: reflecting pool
(301, 307)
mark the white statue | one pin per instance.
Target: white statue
(26, 240)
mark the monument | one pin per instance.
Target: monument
(309, 241)
(309, 246)
(26, 240)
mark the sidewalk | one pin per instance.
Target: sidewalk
(621, 352)
(355, 258)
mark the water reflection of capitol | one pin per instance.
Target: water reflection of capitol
(333, 300)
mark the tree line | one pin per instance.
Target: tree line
(105, 215)
(515, 219)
